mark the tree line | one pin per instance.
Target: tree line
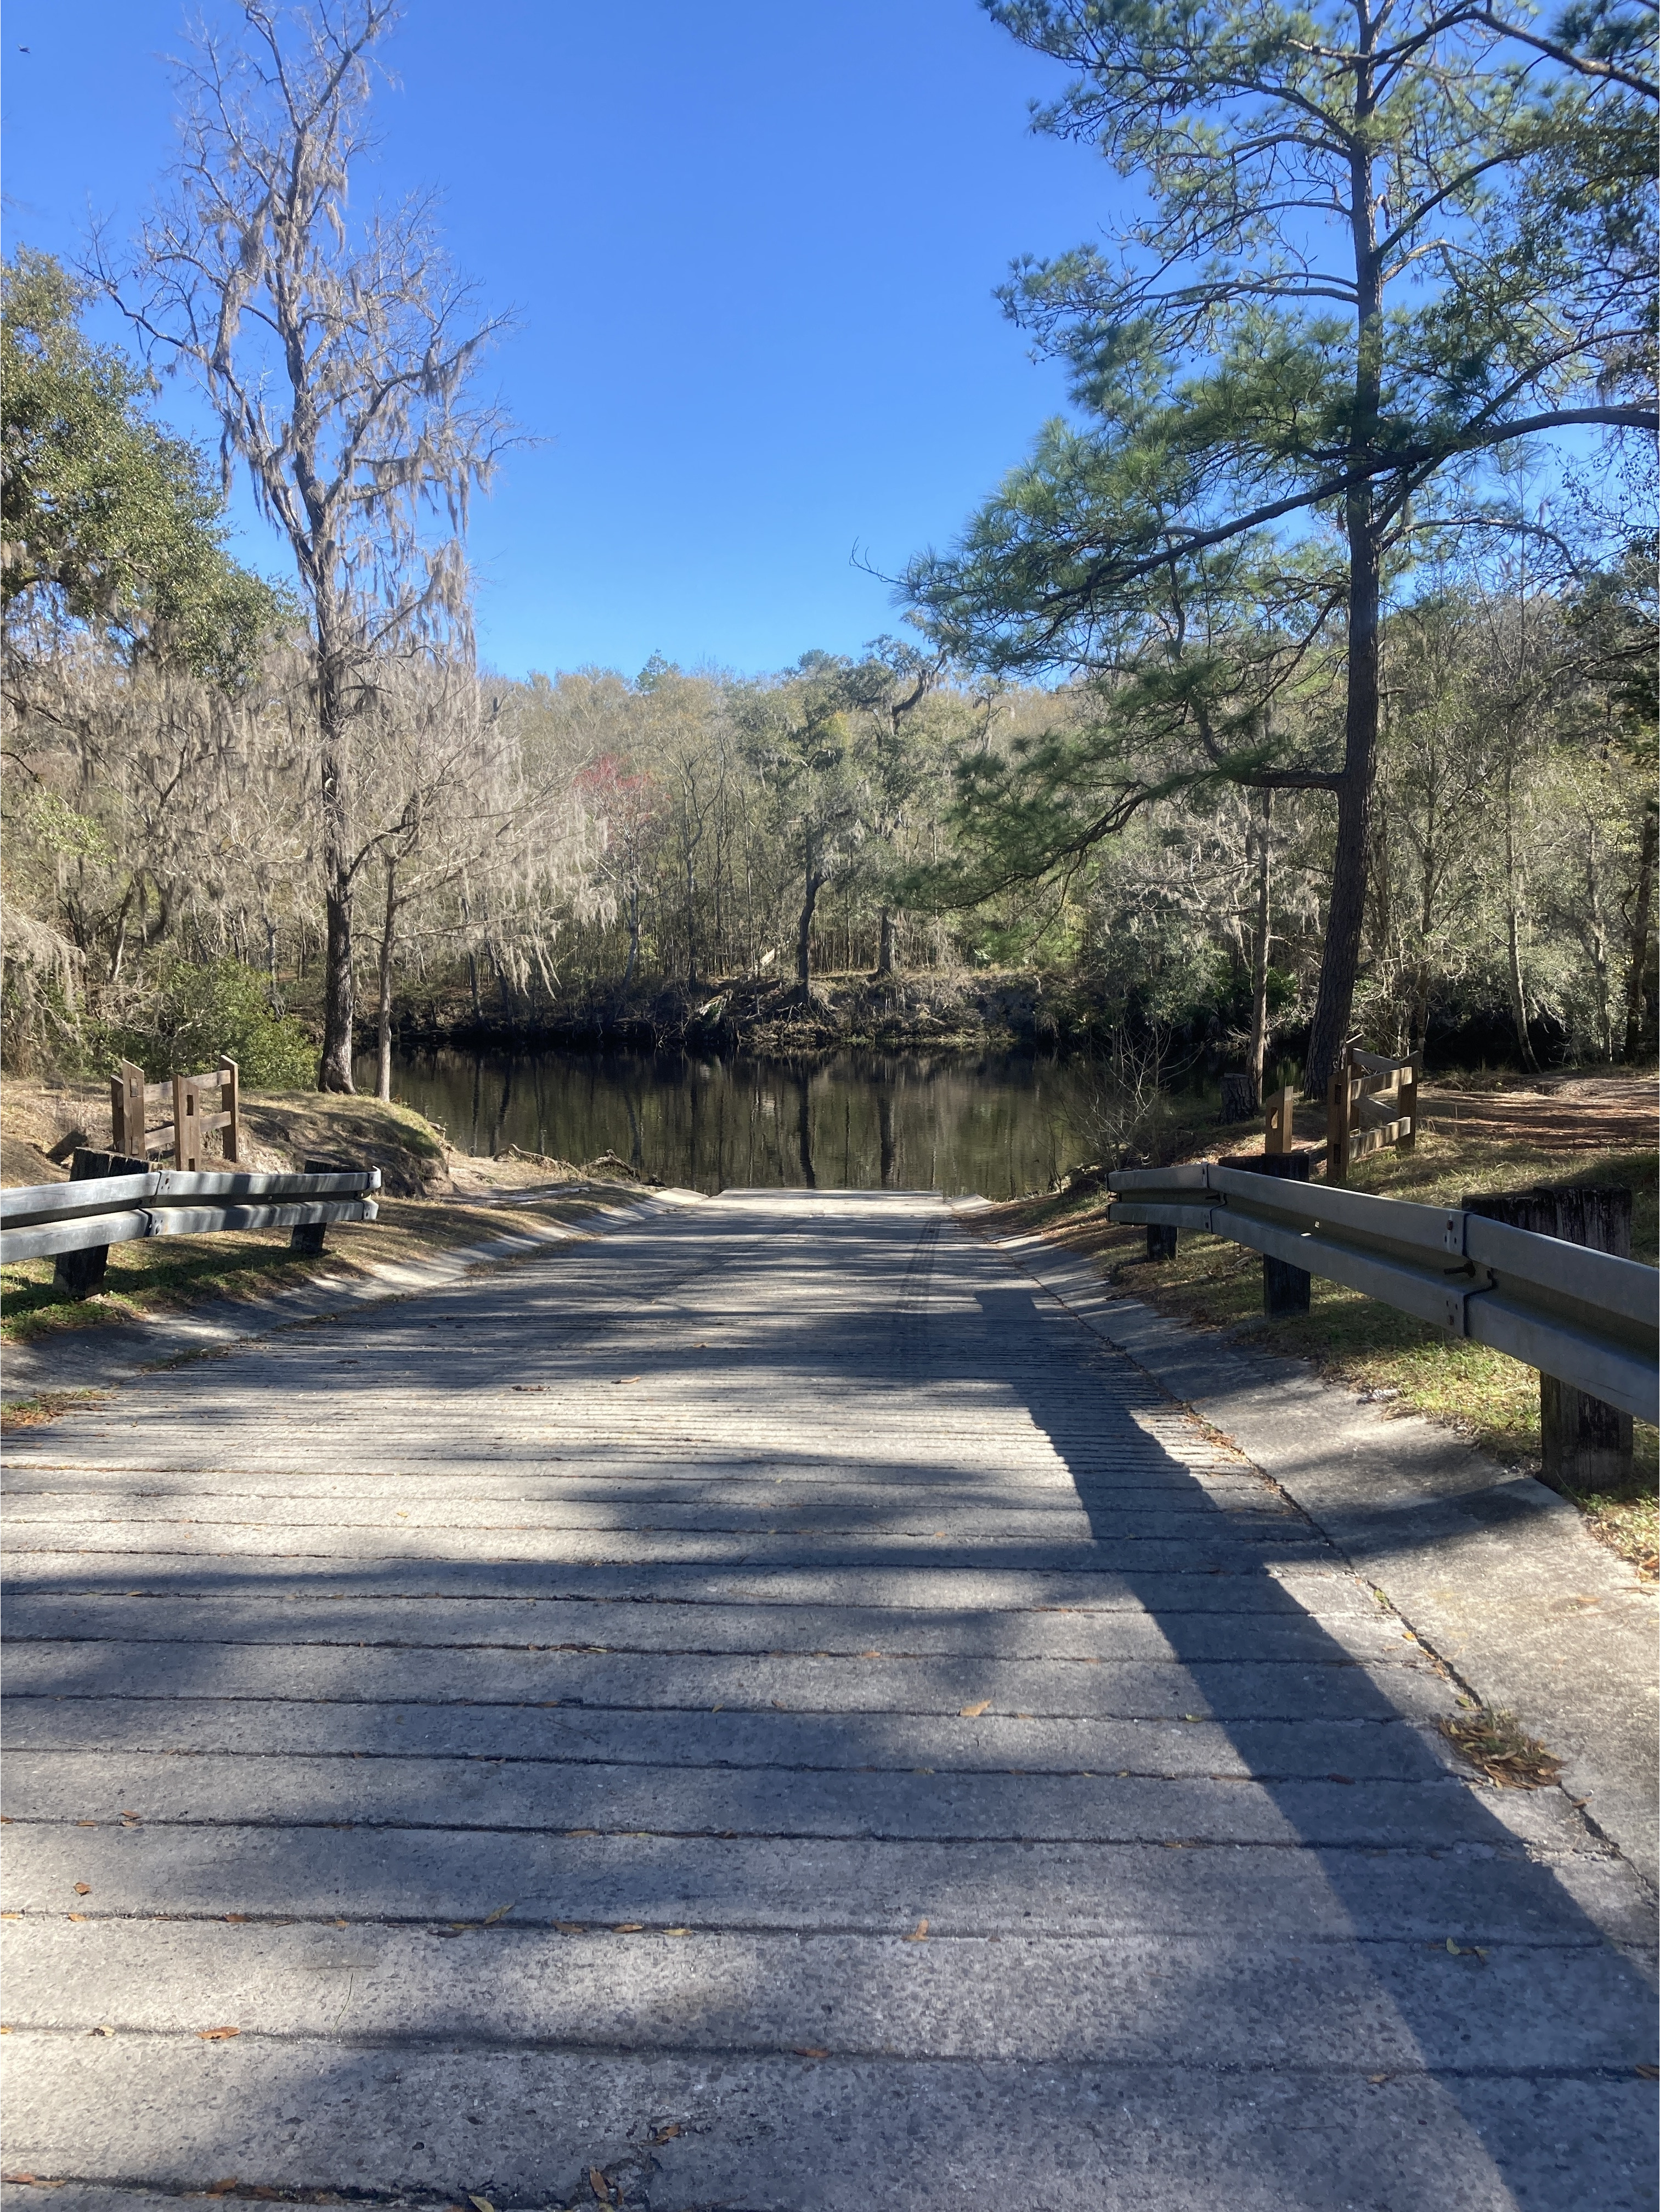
(1300, 683)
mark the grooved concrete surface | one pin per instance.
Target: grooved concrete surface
(764, 1710)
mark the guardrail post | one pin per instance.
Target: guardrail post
(1584, 1444)
(1285, 1289)
(1161, 1242)
(308, 1237)
(81, 1274)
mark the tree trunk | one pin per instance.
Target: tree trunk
(1519, 997)
(1259, 1007)
(634, 935)
(339, 996)
(1641, 923)
(811, 889)
(884, 944)
(383, 1010)
(1340, 959)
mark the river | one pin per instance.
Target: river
(859, 1121)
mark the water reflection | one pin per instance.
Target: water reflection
(997, 1124)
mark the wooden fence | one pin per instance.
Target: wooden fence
(193, 1117)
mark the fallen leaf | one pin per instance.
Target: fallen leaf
(83, 1889)
(600, 2186)
(1648, 2073)
(75, 1915)
(480, 2204)
(216, 2034)
(717, 1709)
(1193, 1716)
(918, 1934)
(668, 2134)
(236, 1917)
(104, 2028)
(620, 1379)
(1454, 1948)
(810, 2050)
(973, 1712)
(86, 1823)
(870, 1655)
(1376, 2080)
(221, 2188)
(500, 1913)
(533, 1388)
(628, 1928)
(582, 1832)
(677, 1931)
(571, 1927)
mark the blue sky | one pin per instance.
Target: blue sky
(752, 246)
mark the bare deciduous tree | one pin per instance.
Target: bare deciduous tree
(339, 355)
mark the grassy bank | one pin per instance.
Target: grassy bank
(1403, 1366)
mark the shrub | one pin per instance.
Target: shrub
(197, 1012)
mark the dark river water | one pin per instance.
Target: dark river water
(859, 1121)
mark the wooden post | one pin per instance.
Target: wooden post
(127, 1110)
(307, 1236)
(1584, 1443)
(79, 1274)
(1338, 1122)
(1285, 1288)
(1407, 1101)
(228, 1103)
(1276, 1120)
(186, 1125)
(1161, 1242)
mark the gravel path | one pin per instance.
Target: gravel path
(766, 1710)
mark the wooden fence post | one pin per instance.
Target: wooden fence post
(229, 1104)
(80, 1273)
(186, 1125)
(1161, 1242)
(1285, 1288)
(1276, 1120)
(1337, 1122)
(1584, 1444)
(1407, 1102)
(127, 1110)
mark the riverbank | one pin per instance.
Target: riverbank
(933, 1010)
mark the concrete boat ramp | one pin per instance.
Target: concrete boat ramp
(765, 1710)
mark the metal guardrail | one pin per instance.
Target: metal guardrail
(43, 1220)
(1591, 1321)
